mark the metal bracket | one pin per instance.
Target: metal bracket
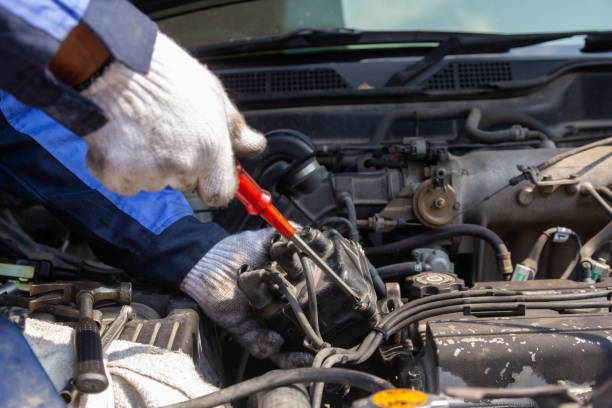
(534, 175)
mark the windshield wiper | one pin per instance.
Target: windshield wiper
(482, 44)
(453, 42)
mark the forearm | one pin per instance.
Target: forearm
(151, 235)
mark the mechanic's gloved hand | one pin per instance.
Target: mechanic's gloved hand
(340, 316)
(212, 283)
(174, 126)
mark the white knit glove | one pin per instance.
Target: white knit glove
(212, 282)
(174, 126)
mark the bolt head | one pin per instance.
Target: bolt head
(440, 202)
(525, 196)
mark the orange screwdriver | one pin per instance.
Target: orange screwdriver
(259, 202)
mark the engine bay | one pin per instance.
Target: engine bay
(476, 233)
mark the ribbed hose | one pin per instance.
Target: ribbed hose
(502, 254)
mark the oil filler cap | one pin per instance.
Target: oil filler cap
(394, 398)
(432, 283)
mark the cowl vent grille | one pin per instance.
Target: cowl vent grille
(469, 75)
(259, 82)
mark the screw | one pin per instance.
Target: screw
(440, 202)
(525, 196)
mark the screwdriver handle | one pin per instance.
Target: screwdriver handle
(259, 202)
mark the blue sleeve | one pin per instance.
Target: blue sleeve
(151, 235)
(30, 34)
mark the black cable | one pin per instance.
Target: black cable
(372, 341)
(459, 299)
(300, 316)
(313, 308)
(496, 307)
(279, 378)
(501, 251)
(332, 357)
(401, 314)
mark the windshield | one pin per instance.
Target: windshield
(273, 17)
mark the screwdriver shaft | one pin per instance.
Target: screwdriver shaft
(324, 267)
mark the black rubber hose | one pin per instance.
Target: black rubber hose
(353, 233)
(351, 215)
(475, 123)
(279, 378)
(501, 251)
(493, 117)
(397, 270)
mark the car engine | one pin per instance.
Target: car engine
(488, 237)
(478, 232)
